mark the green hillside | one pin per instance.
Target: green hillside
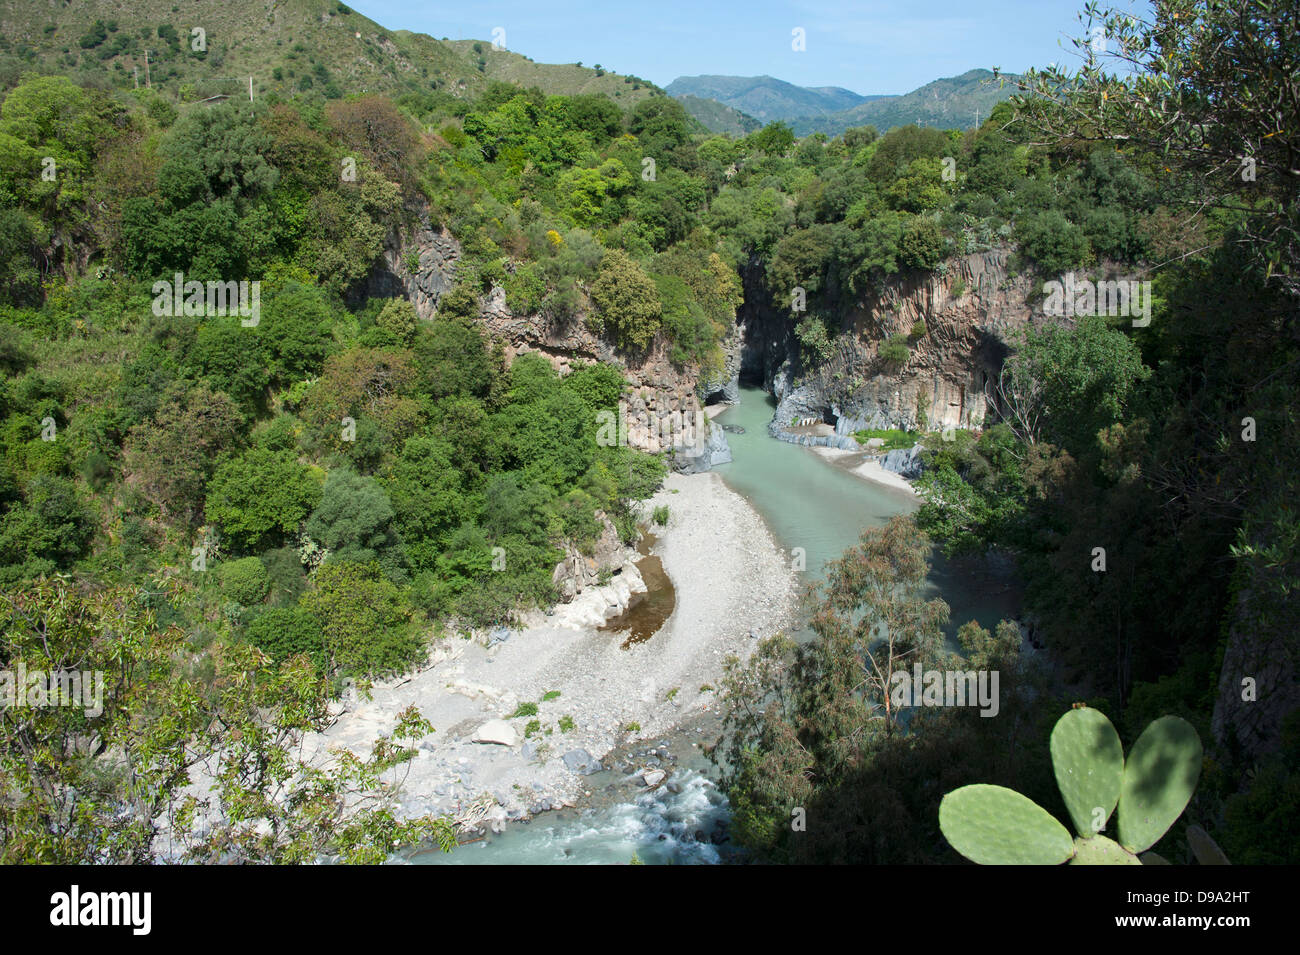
(957, 102)
(286, 47)
(719, 117)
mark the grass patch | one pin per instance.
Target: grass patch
(894, 438)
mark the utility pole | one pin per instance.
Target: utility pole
(146, 70)
(135, 72)
(977, 119)
(250, 89)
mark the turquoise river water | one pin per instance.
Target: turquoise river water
(807, 502)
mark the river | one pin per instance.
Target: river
(807, 502)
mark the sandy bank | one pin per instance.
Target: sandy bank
(866, 466)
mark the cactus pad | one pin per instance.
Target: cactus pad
(1089, 764)
(1160, 776)
(1205, 849)
(993, 825)
(1098, 850)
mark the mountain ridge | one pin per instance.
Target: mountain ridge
(947, 102)
(766, 98)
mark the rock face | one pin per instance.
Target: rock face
(957, 323)
(1258, 688)
(578, 571)
(433, 252)
(595, 605)
(903, 461)
(708, 450)
(597, 586)
(726, 386)
(664, 400)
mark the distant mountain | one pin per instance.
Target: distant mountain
(956, 102)
(766, 98)
(286, 46)
(718, 117)
(951, 103)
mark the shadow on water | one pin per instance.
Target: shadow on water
(647, 612)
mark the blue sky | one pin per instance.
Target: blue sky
(865, 46)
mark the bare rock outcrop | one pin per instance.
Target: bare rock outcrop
(663, 410)
(578, 571)
(957, 322)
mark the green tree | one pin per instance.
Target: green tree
(294, 331)
(451, 360)
(365, 382)
(1065, 384)
(245, 580)
(800, 723)
(922, 244)
(920, 188)
(130, 801)
(48, 532)
(355, 522)
(774, 139)
(170, 459)
(599, 385)
(1196, 85)
(429, 498)
(1053, 241)
(398, 320)
(285, 632)
(262, 497)
(626, 300)
(364, 620)
(232, 359)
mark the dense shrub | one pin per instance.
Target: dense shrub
(364, 620)
(283, 632)
(245, 580)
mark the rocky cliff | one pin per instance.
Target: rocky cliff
(1258, 687)
(956, 321)
(664, 406)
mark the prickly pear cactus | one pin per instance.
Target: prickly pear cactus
(1160, 776)
(1089, 764)
(1205, 849)
(1098, 850)
(993, 825)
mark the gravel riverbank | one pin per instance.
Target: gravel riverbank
(733, 585)
(867, 467)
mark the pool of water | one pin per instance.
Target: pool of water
(646, 612)
(810, 503)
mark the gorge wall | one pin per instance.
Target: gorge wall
(664, 406)
(957, 321)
